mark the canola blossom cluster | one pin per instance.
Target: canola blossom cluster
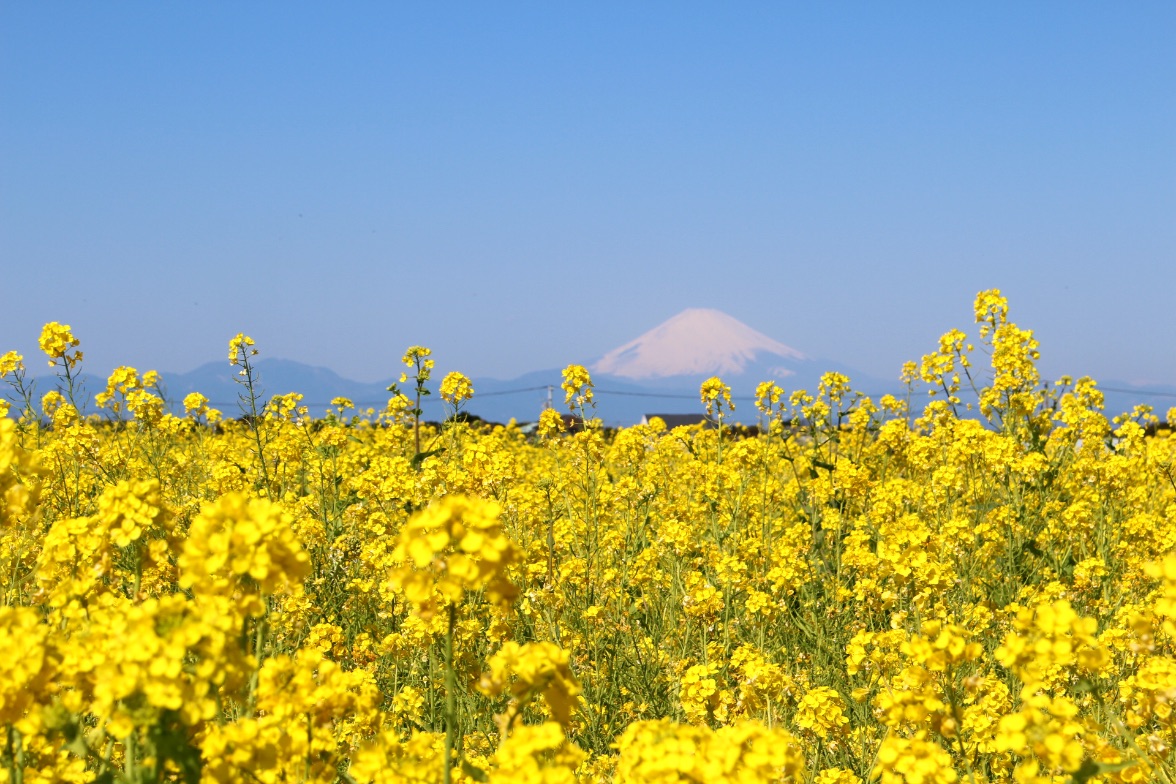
(981, 588)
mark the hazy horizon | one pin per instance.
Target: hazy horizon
(678, 353)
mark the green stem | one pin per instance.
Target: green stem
(15, 756)
(416, 432)
(258, 642)
(254, 424)
(450, 696)
(132, 757)
(719, 440)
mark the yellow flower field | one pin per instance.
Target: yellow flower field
(858, 592)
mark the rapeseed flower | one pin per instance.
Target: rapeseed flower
(11, 362)
(453, 546)
(538, 669)
(56, 341)
(244, 548)
(716, 396)
(241, 347)
(577, 386)
(456, 389)
(871, 593)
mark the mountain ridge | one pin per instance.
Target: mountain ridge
(620, 401)
(658, 372)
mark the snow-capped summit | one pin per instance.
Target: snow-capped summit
(697, 341)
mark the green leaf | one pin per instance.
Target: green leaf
(477, 774)
(1090, 769)
(420, 456)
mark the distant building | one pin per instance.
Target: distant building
(680, 420)
(570, 424)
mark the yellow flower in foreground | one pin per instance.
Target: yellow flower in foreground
(577, 386)
(767, 397)
(661, 751)
(539, 753)
(194, 401)
(822, 712)
(701, 694)
(196, 405)
(56, 341)
(10, 363)
(25, 668)
(530, 670)
(550, 423)
(51, 401)
(717, 397)
(240, 347)
(456, 388)
(418, 357)
(453, 546)
(389, 759)
(913, 761)
(241, 546)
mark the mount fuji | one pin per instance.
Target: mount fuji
(671, 360)
(699, 341)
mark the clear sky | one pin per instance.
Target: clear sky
(523, 185)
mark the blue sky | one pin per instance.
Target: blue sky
(523, 185)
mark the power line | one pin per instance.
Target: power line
(1137, 392)
(425, 401)
(663, 395)
(511, 391)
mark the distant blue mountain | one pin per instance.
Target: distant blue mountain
(619, 401)
(218, 381)
(1122, 397)
(657, 373)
